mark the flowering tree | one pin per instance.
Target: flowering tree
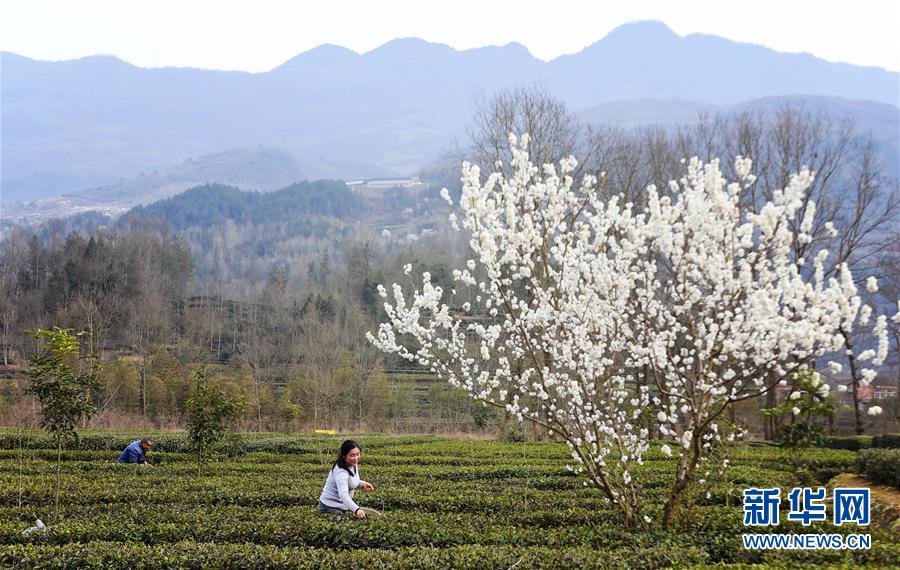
(861, 374)
(583, 295)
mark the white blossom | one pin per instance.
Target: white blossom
(867, 376)
(866, 355)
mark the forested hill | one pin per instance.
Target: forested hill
(236, 237)
(214, 204)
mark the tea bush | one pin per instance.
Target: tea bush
(880, 466)
(888, 440)
(851, 442)
(446, 504)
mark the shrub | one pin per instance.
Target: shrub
(888, 440)
(205, 555)
(880, 466)
(853, 442)
(514, 434)
(62, 380)
(209, 412)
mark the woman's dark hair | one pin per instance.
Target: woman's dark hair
(346, 448)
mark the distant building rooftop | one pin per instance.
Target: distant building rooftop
(385, 182)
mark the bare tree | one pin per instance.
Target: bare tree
(554, 132)
(13, 251)
(319, 349)
(258, 348)
(889, 293)
(148, 321)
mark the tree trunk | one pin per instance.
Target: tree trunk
(506, 417)
(58, 465)
(21, 458)
(857, 417)
(258, 408)
(683, 477)
(672, 502)
(854, 376)
(144, 391)
(769, 421)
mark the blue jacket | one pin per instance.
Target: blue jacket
(134, 453)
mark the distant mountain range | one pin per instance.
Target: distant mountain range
(271, 168)
(331, 113)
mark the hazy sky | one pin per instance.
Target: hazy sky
(260, 35)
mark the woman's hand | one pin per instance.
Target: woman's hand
(360, 514)
(366, 486)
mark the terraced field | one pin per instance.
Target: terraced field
(445, 504)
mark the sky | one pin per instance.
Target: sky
(260, 35)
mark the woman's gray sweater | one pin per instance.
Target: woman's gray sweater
(339, 489)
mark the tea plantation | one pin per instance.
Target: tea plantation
(445, 503)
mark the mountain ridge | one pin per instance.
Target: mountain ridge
(74, 125)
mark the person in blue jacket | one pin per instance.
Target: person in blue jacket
(136, 452)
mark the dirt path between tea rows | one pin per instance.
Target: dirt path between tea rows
(881, 494)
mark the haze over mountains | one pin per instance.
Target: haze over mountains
(88, 124)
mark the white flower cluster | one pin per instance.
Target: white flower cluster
(582, 293)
